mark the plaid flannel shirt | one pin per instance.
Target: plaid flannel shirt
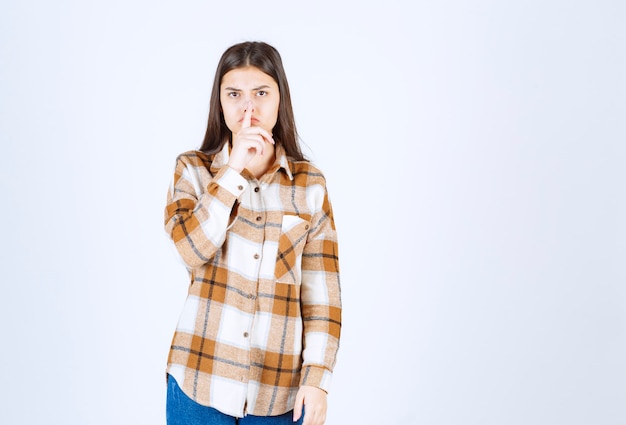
(263, 311)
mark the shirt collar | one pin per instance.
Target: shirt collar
(221, 158)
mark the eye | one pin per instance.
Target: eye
(233, 94)
(261, 93)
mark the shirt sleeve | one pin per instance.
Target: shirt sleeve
(196, 217)
(321, 298)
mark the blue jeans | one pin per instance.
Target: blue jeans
(181, 410)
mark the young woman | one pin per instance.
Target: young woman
(258, 336)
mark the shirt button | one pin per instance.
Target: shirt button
(259, 218)
(256, 189)
(245, 334)
(306, 227)
(256, 256)
(240, 187)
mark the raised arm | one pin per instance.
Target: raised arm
(197, 217)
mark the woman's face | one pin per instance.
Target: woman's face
(243, 85)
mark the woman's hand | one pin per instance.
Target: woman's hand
(313, 400)
(248, 142)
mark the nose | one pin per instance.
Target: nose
(248, 104)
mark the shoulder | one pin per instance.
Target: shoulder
(307, 171)
(193, 158)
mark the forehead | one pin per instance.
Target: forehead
(247, 77)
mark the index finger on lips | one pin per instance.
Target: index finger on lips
(247, 116)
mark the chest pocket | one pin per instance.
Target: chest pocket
(293, 235)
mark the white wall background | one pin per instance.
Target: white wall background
(475, 152)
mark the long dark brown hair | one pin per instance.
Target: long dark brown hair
(267, 59)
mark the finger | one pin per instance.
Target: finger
(258, 132)
(259, 141)
(255, 144)
(311, 416)
(247, 115)
(266, 136)
(297, 409)
(260, 147)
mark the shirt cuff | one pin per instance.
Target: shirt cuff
(232, 181)
(316, 376)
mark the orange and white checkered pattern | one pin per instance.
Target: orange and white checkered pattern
(263, 312)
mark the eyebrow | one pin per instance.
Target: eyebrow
(263, 87)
